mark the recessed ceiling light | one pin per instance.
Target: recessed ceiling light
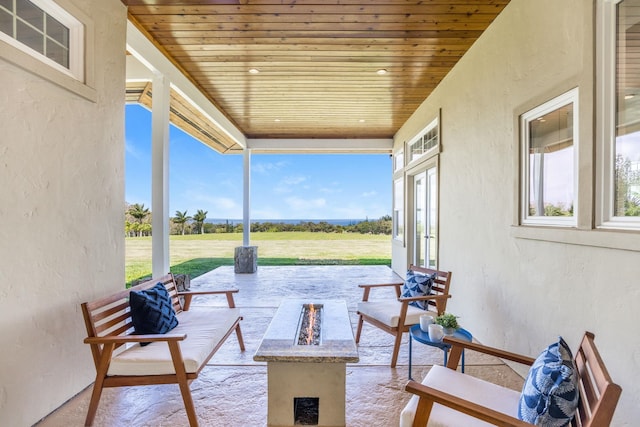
(381, 72)
(630, 96)
(253, 71)
(362, 120)
(276, 120)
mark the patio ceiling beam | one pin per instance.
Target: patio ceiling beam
(328, 146)
(149, 55)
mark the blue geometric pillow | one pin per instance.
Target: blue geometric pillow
(417, 285)
(152, 311)
(550, 392)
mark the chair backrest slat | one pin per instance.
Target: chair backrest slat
(598, 393)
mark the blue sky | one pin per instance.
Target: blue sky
(295, 186)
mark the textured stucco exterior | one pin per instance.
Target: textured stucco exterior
(61, 216)
(513, 288)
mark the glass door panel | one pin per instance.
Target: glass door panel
(425, 240)
(419, 241)
(432, 218)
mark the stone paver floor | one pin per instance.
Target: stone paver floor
(231, 391)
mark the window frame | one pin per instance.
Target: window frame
(398, 219)
(569, 97)
(606, 114)
(77, 34)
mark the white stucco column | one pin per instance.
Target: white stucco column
(246, 197)
(160, 175)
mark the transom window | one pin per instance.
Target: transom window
(45, 30)
(427, 142)
(549, 136)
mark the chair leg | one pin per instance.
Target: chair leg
(359, 331)
(396, 349)
(239, 335)
(101, 373)
(183, 383)
(188, 402)
(93, 403)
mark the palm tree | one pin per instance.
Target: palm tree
(199, 218)
(181, 218)
(139, 212)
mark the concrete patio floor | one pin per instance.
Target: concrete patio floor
(232, 390)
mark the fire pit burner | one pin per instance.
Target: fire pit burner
(309, 327)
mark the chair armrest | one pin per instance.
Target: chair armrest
(134, 338)
(367, 288)
(458, 345)
(429, 395)
(424, 297)
(208, 292)
(380, 285)
(188, 295)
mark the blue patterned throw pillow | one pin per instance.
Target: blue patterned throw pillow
(550, 392)
(152, 311)
(417, 285)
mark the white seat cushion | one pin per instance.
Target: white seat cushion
(204, 326)
(466, 387)
(388, 312)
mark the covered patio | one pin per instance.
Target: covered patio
(455, 123)
(232, 390)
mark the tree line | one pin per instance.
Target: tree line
(138, 224)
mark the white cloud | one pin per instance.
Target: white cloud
(131, 150)
(268, 167)
(370, 194)
(217, 206)
(288, 184)
(302, 208)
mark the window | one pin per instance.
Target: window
(398, 160)
(44, 30)
(398, 209)
(426, 143)
(620, 91)
(549, 138)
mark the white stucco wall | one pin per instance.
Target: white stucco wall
(61, 217)
(512, 292)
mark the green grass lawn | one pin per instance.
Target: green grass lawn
(197, 254)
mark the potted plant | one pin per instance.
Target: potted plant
(449, 323)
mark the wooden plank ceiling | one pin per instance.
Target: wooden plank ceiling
(318, 61)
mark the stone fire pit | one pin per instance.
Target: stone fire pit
(310, 377)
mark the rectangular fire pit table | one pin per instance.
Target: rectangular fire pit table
(313, 374)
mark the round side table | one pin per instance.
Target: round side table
(415, 333)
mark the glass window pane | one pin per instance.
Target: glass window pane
(551, 164)
(398, 209)
(30, 37)
(6, 23)
(627, 143)
(57, 31)
(57, 53)
(30, 13)
(7, 4)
